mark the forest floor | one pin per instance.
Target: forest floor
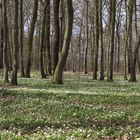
(81, 109)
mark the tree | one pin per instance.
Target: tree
(129, 32)
(118, 37)
(133, 61)
(5, 27)
(86, 37)
(126, 44)
(1, 37)
(16, 46)
(136, 48)
(95, 56)
(22, 72)
(30, 39)
(58, 74)
(43, 75)
(101, 42)
(56, 4)
(111, 45)
(48, 50)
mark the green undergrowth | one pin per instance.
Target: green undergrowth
(78, 110)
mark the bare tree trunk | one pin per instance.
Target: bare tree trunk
(118, 53)
(43, 75)
(22, 73)
(16, 46)
(138, 60)
(79, 50)
(56, 33)
(57, 78)
(95, 57)
(101, 42)
(5, 26)
(62, 23)
(129, 30)
(86, 38)
(48, 51)
(133, 64)
(118, 36)
(30, 39)
(10, 45)
(126, 45)
(112, 31)
(125, 63)
(1, 46)
(136, 28)
(1, 37)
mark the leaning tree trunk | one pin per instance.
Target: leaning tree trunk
(30, 39)
(5, 26)
(16, 47)
(57, 78)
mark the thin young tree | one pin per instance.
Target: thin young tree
(101, 42)
(86, 37)
(1, 37)
(96, 48)
(129, 33)
(48, 49)
(22, 72)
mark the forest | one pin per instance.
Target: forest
(69, 70)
